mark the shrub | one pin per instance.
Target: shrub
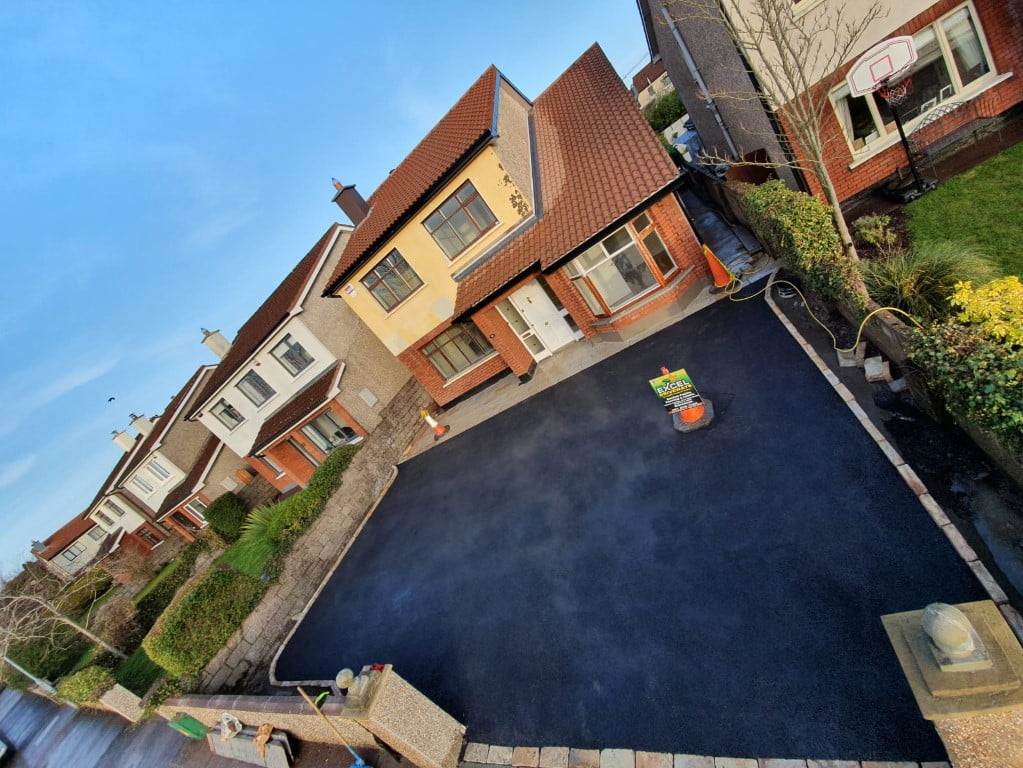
(157, 595)
(138, 673)
(922, 280)
(195, 628)
(997, 308)
(77, 597)
(86, 685)
(226, 515)
(117, 622)
(663, 111)
(873, 230)
(798, 229)
(52, 657)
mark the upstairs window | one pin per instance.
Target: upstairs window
(103, 518)
(96, 533)
(227, 414)
(458, 348)
(142, 484)
(460, 220)
(292, 355)
(254, 388)
(158, 470)
(392, 280)
(73, 552)
(112, 507)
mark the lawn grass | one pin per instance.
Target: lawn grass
(138, 673)
(981, 207)
(166, 571)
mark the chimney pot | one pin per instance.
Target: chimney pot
(141, 424)
(216, 342)
(351, 202)
(124, 441)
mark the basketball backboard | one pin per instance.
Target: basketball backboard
(884, 62)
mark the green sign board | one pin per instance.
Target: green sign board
(676, 391)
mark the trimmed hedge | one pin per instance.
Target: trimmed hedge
(138, 673)
(194, 629)
(85, 685)
(157, 597)
(226, 515)
(798, 229)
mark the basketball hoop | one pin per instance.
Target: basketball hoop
(896, 93)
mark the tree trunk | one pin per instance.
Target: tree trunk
(95, 638)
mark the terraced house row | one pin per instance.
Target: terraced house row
(513, 229)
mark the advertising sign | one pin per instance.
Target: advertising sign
(676, 391)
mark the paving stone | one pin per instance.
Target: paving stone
(584, 758)
(617, 758)
(934, 765)
(653, 760)
(883, 764)
(694, 761)
(912, 480)
(984, 576)
(528, 757)
(861, 354)
(846, 359)
(934, 509)
(475, 752)
(554, 757)
(965, 550)
(499, 755)
(832, 764)
(776, 762)
(734, 762)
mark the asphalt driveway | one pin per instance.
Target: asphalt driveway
(575, 572)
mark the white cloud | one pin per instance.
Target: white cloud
(12, 471)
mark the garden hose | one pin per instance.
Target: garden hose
(735, 281)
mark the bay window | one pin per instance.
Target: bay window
(327, 431)
(625, 265)
(457, 349)
(951, 54)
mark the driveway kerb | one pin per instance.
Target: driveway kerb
(302, 614)
(909, 477)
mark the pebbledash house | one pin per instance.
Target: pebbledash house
(516, 228)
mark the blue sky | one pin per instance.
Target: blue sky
(164, 165)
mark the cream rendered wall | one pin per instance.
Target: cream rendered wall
(838, 12)
(369, 364)
(161, 488)
(433, 303)
(131, 521)
(226, 465)
(273, 373)
(91, 548)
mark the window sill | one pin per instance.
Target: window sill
(470, 369)
(874, 148)
(400, 304)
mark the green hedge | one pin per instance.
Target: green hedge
(157, 595)
(798, 229)
(54, 657)
(138, 673)
(85, 685)
(226, 515)
(194, 629)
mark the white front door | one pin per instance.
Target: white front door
(543, 317)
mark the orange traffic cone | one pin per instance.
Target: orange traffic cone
(439, 430)
(722, 277)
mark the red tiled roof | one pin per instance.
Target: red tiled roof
(186, 487)
(648, 74)
(63, 536)
(465, 124)
(297, 408)
(597, 159)
(264, 321)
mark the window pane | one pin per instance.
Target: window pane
(292, 356)
(448, 241)
(624, 276)
(255, 388)
(227, 415)
(618, 240)
(932, 83)
(610, 284)
(142, 485)
(408, 275)
(965, 44)
(433, 221)
(114, 508)
(96, 533)
(513, 318)
(641, 222)
(482, 215)
(448, 207)
(464, 227)
(591, 257)
(158, 470)
(659, 253)
(316, 437)
(465, 192)
(856, 120)
(587, 294)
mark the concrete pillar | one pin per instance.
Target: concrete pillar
(975, 697)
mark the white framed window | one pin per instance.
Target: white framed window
(104, 518)
(617, 270)
(111, 506)
(255, 388)
(73, 552)
(96, 533)
(227, 414)
(951, 55)
(196, 507)
(327, 432)
(274, 466)
(292, 355)
(142, 484)
(158, 470)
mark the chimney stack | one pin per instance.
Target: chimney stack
(124, 441)
(141, 424)
(216, 342)
(351, 202)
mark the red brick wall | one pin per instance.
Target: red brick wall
(1002, 25)
(577, 307)
(504, 339)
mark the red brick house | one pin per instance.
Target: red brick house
(516, 228)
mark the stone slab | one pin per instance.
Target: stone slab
(886, 764)
(584, 758)
(781, 762)
(734, 762)
(617, 758)
(499, 755)
(554, 757)
(934, 765)
(653, 760)
(475, 752)
(832, 764)
(527, 757)
(694, 761)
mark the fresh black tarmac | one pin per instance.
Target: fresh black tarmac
(574, 572)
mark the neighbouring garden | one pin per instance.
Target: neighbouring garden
(185, 614)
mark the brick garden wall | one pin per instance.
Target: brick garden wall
(245, 660)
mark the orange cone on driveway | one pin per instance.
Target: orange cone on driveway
(439, 430)
(722, 277)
